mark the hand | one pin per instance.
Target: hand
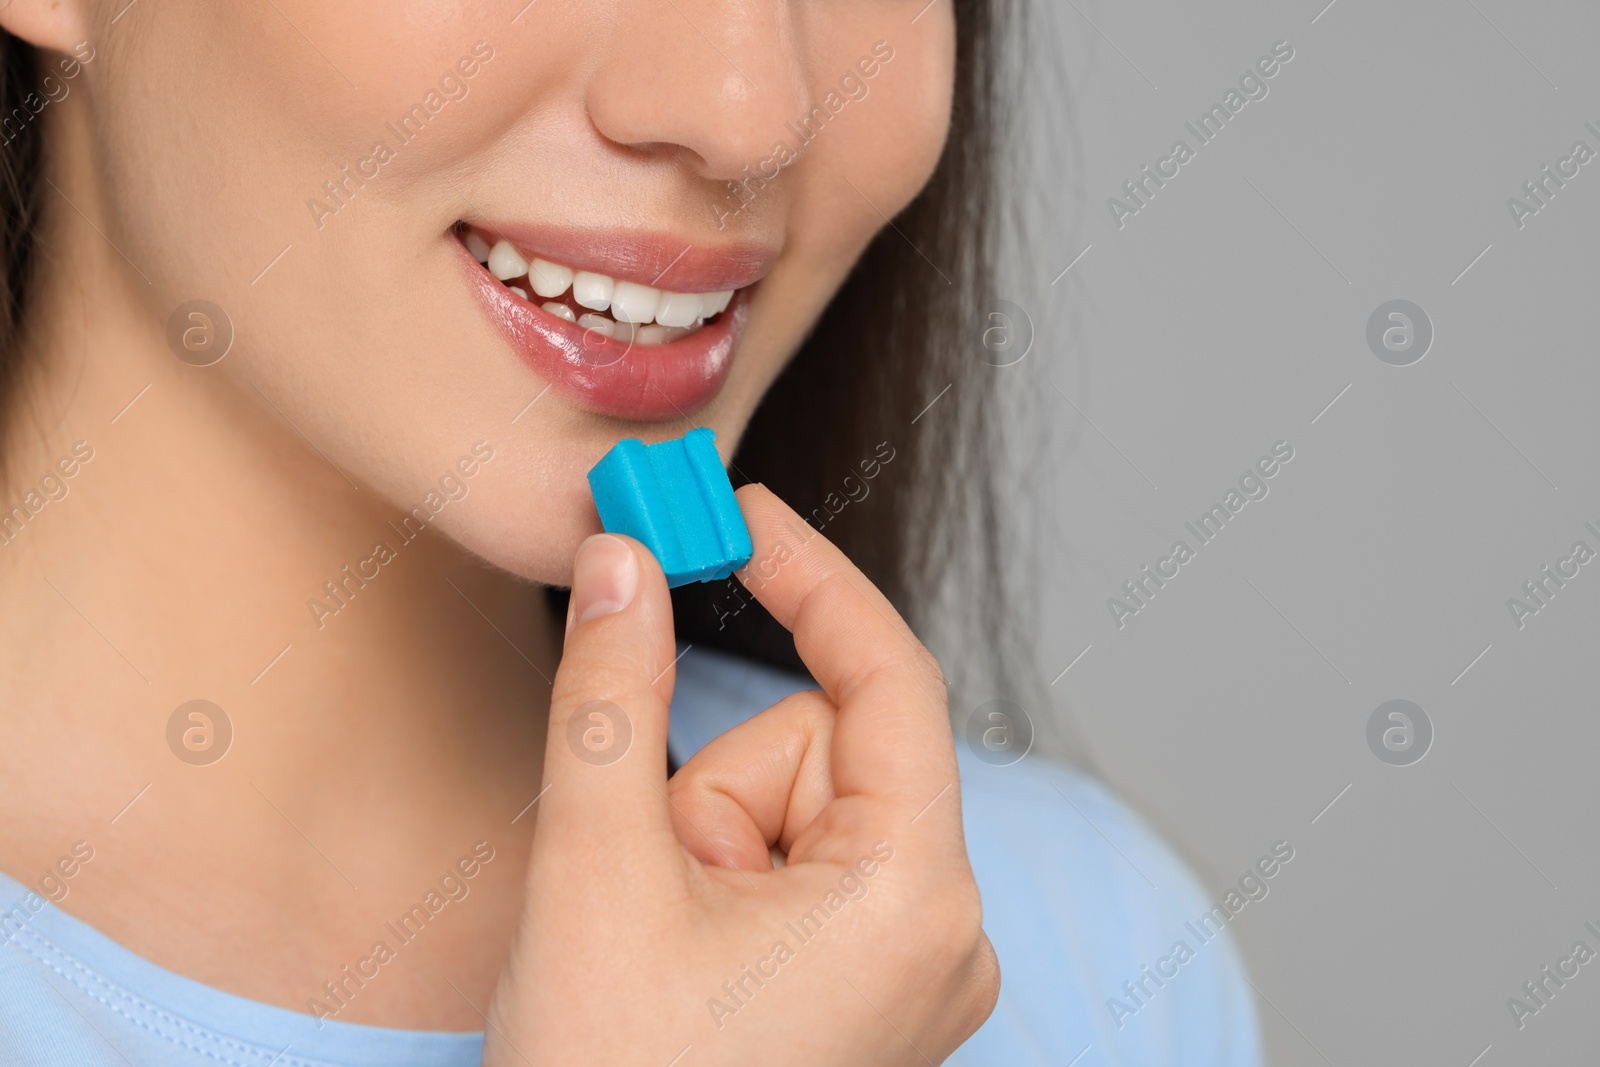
(657, 929)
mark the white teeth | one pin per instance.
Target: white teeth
(638, 313)
(678, 309)
(657, 334)
(632, 302)
(505, 263)
(548, 279)
(592, 290)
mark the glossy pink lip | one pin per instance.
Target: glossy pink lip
(625, 381)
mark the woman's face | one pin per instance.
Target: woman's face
(324, 172)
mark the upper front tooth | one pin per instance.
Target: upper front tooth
(632, 302)
(592, 290)
(478, 247)
(714, 303)
(505, 262)
(678, 309)
(549, 279)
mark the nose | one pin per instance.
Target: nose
(712, 81)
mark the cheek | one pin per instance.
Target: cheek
(908, 132)
(218, 141)
(886, 144)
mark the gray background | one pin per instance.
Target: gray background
(1216, 323)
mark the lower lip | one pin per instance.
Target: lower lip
(625, 381)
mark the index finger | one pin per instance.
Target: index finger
(893, 731)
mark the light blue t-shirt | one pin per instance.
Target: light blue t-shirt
(1084, 904)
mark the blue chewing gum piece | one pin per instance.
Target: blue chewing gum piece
(675, 499)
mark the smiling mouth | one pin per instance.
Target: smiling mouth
(601, 305)
(653, 337)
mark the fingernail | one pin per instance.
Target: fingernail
(605, 577)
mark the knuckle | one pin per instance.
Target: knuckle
(983, 983)
(807, 712)
(693, 786)
(916, 672)
(681, 786)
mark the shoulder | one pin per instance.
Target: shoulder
(1097, 923)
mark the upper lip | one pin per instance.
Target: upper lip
(659, 260)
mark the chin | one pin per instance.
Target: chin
(529, 508)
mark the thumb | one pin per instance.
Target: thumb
(605, 762)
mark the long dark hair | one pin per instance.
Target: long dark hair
(19, 210)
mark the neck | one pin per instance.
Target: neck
(169, 537)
